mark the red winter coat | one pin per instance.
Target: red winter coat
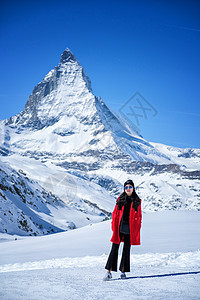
(135, 219)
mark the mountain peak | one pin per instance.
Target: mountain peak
(67, 56)
(53, 96)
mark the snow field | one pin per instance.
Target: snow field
(70, 265)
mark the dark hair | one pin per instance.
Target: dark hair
(133, 195)
(134, 199)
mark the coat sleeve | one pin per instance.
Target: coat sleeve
(115, 216)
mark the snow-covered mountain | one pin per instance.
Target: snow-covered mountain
(80, 145)
(63, 118)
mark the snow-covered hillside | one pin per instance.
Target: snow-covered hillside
(26, 208)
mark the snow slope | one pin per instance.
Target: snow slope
(188, 158)
(26, 208)
(70, 265)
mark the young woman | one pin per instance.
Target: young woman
(127, 211)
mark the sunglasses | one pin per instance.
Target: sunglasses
(128, 187)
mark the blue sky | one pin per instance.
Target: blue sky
(126, 47)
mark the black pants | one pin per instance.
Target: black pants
(113, 256)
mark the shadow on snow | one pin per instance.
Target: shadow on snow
(160, 275)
